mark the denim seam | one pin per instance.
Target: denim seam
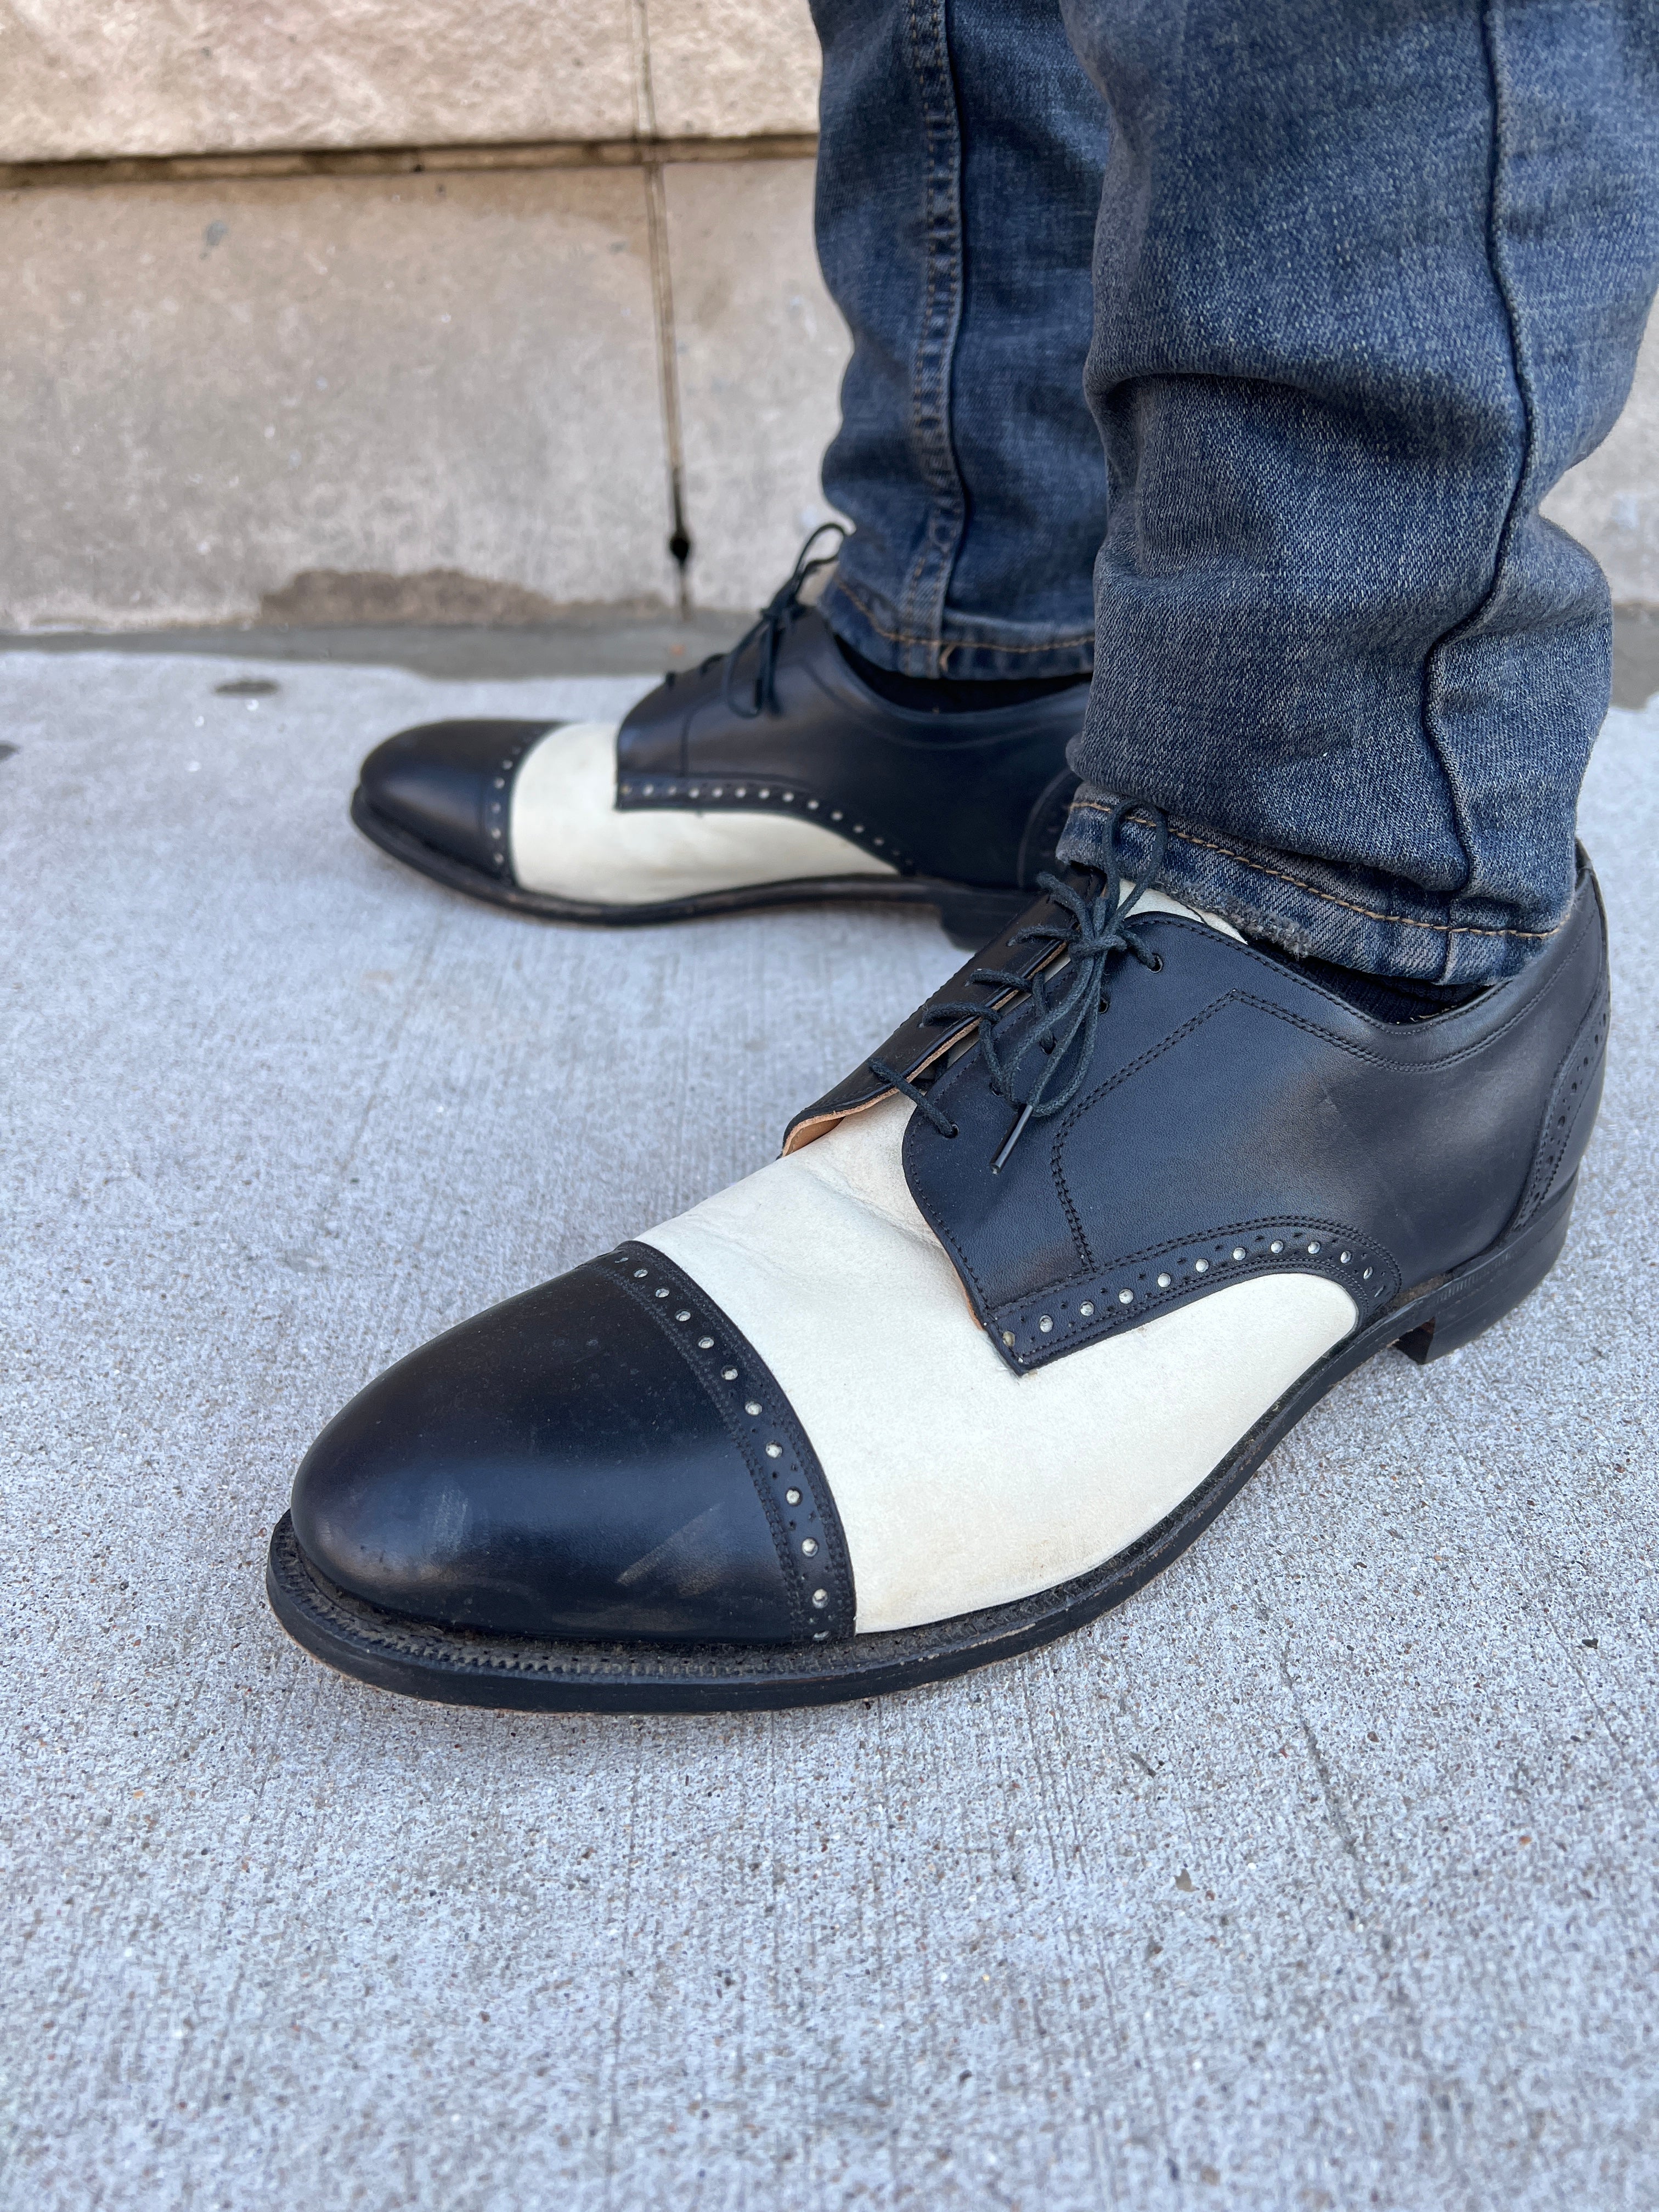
(985, 644)
(1434, 663)
(1330, 898)
(930, 389)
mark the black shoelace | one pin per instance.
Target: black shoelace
(1067, 996)
(767, 632)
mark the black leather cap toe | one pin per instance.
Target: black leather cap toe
(575, 1463)
(450, 784)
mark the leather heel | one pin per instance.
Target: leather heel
(1472, 1299)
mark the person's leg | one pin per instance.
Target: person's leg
(960, 172)
(1367, 279)
(907, 740)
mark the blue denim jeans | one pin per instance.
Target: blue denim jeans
(1368, 276)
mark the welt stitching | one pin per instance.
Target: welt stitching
(1370, 914)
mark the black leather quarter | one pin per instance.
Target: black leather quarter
(976, 797)
(1235, 1118)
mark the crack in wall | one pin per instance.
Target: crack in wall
(680, 546)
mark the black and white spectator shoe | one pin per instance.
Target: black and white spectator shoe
(1026, 1302)
(773, 775)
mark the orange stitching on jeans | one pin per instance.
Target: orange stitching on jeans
(931, 259)
(1370, 914)
(839, 583)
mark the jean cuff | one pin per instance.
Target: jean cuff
(964, 650)
(1375, 924)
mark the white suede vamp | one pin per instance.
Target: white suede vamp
(568, 839)
(959, 1484)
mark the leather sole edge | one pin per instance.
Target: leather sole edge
(969, 913)
(463, 1667)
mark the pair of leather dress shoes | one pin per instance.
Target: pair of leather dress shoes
(1026, 1300)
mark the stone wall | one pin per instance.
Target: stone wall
(334, 310)
(225, 399)
(89, 79)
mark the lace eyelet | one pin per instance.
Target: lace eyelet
(1082, 939)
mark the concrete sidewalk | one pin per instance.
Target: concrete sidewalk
(1322, 1875)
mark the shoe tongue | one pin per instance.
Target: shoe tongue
(1156, 902)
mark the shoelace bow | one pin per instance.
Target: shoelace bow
(768, 631)
(1068, 997)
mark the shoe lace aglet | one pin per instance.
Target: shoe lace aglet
(1012, 1137)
